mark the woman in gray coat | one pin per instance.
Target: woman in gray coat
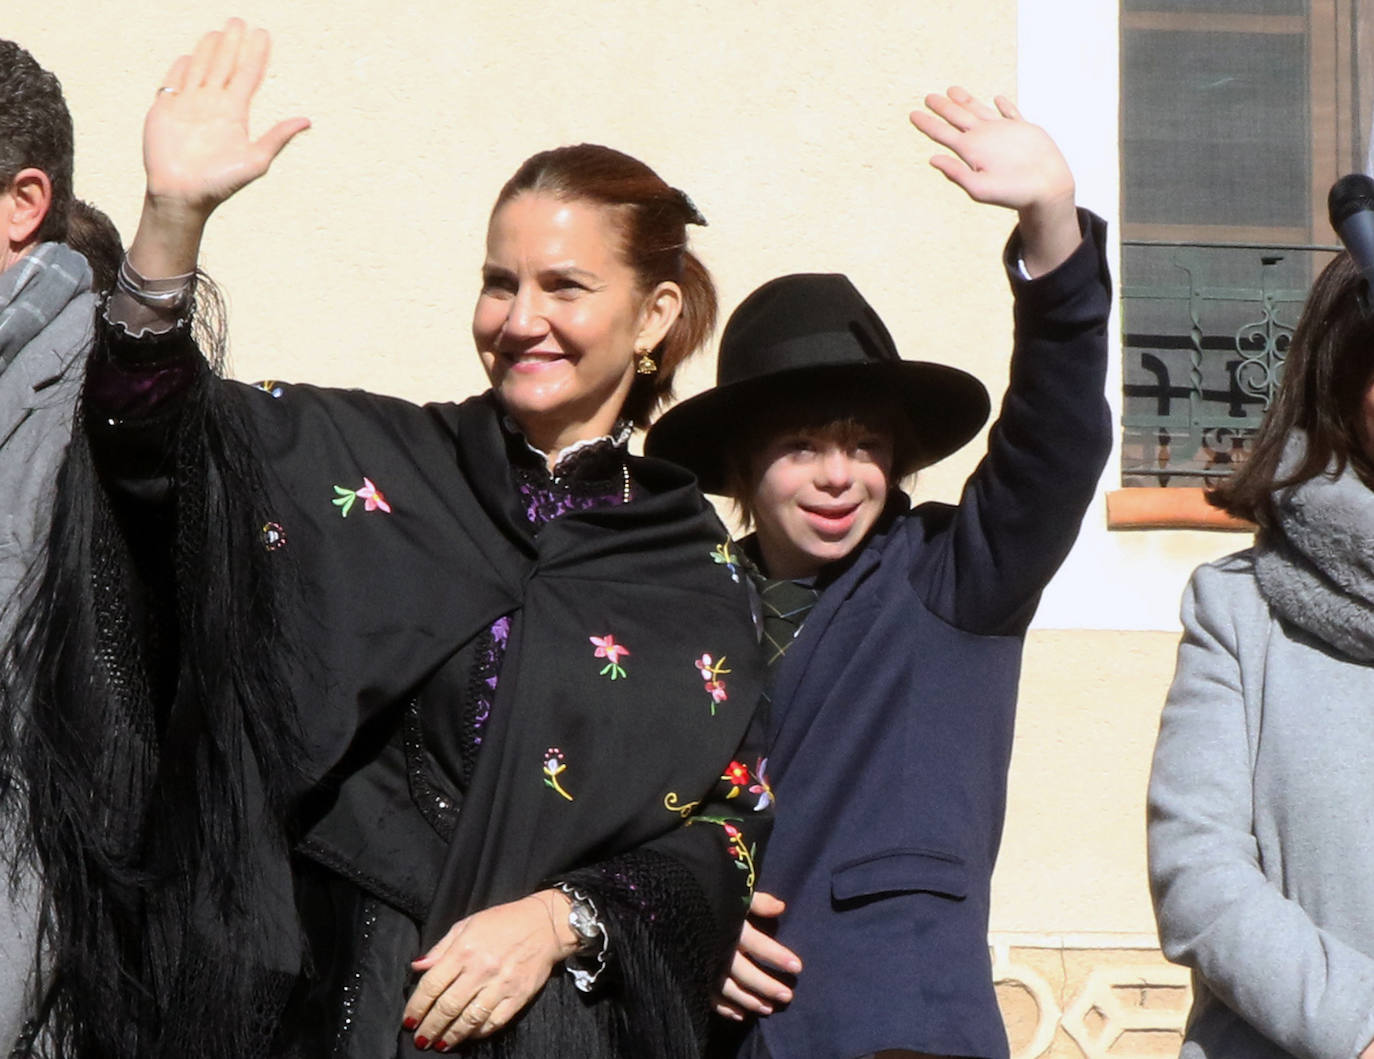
(1261, 800)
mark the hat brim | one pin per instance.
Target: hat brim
(945, 408)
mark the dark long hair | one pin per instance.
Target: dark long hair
(1330, 365)
(652, 218)
(149, 738)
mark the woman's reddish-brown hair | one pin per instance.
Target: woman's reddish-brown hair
(652, 218)
(1328, 369)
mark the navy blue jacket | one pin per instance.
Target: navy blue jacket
(893, 711)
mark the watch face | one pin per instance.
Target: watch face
(583, 921)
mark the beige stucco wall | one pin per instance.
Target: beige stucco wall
(1073, 854)
(355, 262)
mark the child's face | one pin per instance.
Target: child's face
(817, 493)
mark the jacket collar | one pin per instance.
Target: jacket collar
(855, 571)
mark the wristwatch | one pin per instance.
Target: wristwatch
(585, 965)
(586, 924)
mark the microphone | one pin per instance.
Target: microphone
(1351, 208)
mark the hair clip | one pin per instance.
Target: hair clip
(693, 214)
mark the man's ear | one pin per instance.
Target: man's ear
(30, 195)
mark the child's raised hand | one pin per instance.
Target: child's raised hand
(1003, 160)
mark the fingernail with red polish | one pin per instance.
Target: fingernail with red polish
(410, 1023)
(422, 1042)
(441, 1046)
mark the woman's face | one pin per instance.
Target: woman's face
(560, 317)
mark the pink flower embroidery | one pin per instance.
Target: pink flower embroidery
(369, 493)
(373, 496)
(607, 648)
(711, 672)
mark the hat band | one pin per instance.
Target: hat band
(820, 349)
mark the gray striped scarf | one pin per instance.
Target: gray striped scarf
(34, 291)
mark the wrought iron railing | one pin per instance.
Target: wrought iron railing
(1206, 329)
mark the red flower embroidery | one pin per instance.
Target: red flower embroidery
(737, 775)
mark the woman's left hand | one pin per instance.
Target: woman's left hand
(487, 968)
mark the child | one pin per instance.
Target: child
(896, 632)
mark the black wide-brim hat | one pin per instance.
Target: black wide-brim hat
(814, 333)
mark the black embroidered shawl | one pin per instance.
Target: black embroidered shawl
(612, 757)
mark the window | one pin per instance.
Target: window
(1236, 118)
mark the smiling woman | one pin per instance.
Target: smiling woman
(561, 316)
(361, 778)
(630, 230)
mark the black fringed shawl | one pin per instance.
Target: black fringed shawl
(611, 758)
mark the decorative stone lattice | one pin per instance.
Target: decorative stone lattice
(1066, 997)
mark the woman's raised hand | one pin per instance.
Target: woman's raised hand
(1002, 159)
(197, 150)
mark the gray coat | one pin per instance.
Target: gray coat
(38, 392)
(1260, 840)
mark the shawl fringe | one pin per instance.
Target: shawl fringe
(150, 731)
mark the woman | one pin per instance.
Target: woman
(451, 657)
(896, 632)
(1259, 805)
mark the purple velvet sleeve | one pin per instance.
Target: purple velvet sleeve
(122, 389)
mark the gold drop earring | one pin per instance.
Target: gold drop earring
(644, 363)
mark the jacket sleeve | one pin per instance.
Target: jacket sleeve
(1254, 948)
(1020, 510)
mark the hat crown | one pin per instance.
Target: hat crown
(796, 339)
(803, 320)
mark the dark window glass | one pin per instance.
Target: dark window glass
(1215, 129)
(1219, 7)
(1236, 116)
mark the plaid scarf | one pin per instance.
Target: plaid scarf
(34, 291)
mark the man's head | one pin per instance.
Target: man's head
(35, 155)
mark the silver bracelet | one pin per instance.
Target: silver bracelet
(139, 287)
